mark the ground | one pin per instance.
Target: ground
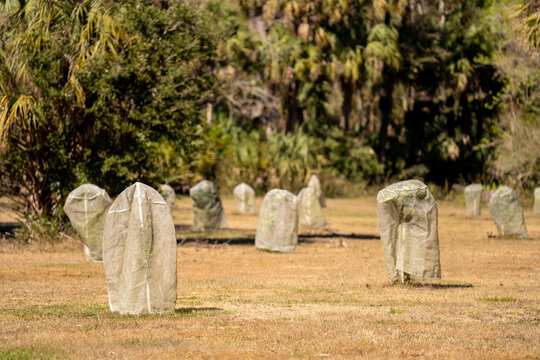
(331, 298)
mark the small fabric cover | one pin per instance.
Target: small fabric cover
(507, 213)
(139, 253)
(536, 207)
(244, 198)
(473, 199)
(310, 212)
(168, 193)
(277, 229)
(407, 216)
(315, 183)
(207, 209)
(86, 208)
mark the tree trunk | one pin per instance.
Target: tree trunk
(293, 117)
(385, 106)
(345, 119)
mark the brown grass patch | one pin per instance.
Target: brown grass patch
(331, 298)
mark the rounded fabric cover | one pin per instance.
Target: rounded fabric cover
(407, 216)
(207, 209)
(310, 212)
(277, 229)
(139, 253)
(86, 208)
(244, 198)
(168, 193)
(315, 183)
(473, 199)
(507, 213)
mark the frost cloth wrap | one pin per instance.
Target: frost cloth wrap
(207, 209)
(277, 229)
(244, 198)
(310, 212)
(168, 194)
(536, 206)
(407, 216)
(86, 208)
(315, 184)
(139, 253)
(507, 213)
(473, 199)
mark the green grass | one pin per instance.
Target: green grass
(24, 354)
(393, 311)
(44, 311)
(496, 299)
(69, 266)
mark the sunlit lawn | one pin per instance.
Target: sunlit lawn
(331, 298)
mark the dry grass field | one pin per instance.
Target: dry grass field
(330, 299)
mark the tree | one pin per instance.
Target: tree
(96, 91)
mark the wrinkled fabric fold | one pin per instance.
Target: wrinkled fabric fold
(407, 218)
(277, 229)
(86, 208)
(139, 248)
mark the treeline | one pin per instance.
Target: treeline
(266, 92)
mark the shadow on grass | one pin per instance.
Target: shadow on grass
(231, 236)
(7, 229)
(434, 286)
(352, 236)
(192, 310)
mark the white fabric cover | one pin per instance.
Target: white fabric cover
(139, 253)
(315, 183)
(207, 208)
(168, 193)
(473, 199)
(277, 229)
(507, 213)
(310, 212)
(86, 208)
(407, 216)
(536, 207)
(244, 198)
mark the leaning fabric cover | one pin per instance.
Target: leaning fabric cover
(86, 208)
(315, 184)
(168, 193)
(244, 198)
(407, 216)
(473, 199)
(310, 212)
(207, 209)
(536, 207)
(139, 253)
(507, 213)
(278, 222)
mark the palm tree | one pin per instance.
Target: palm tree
(33, 30)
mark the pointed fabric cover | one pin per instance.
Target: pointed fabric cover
(86, 208)
(207, 209)
(168, 193)
(244, 198)
(536, 208)
(507, 213)
(277, 229)
(315, 183)
(310, 212)
(139, 253)
(407, 216)
(473, 199)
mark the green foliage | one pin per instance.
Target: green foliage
(101, 92)
(25, 354)
(287, 160)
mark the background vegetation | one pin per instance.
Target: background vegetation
(266, 92)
